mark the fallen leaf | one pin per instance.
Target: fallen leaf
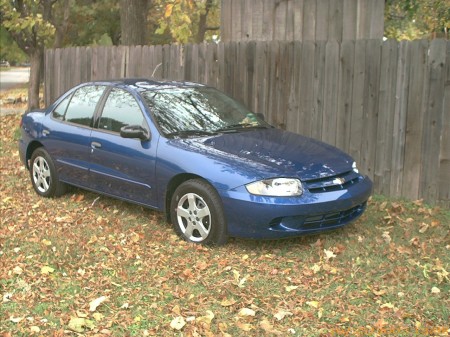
(178, 323)
(176, 310)
(15, 319)
(290, 288)
(47, 270)
(207, 318)
(244, 326)
(246, 312)
(282, 314)
(315, 268)
(267, 327)
(328, 254)
(320, 313)
(46, 242)
(7, 297)
(387, 306)
(95, 303)
(435, 290)
(228, 302)
(379, 292)
(313, 304)
(79, 324)
(386, 237)
(17, 270)
(423, 228)
(35, 328)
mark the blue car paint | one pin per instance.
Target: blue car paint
(227, 161)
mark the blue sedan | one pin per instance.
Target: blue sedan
(212, 166)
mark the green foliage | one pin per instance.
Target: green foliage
(414, 19)
(93, 23)
(9, 50)
(181, 18)
(27, 23)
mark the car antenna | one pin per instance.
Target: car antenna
(153, 73)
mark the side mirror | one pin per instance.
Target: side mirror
(134, 131)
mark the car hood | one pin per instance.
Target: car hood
(274, 152)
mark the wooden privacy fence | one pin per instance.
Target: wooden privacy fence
(301, 20)
(385, 103)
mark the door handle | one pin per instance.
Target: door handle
(96, 145)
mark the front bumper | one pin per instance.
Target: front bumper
(273, 218)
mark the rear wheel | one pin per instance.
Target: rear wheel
(44, 176)
(197, 214)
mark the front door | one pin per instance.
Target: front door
(122, 167)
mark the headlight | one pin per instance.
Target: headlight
(278, 187)
(354, 167)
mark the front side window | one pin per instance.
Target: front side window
(120, 109)
(83, 103)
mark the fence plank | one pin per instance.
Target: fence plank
(329, 119)
(350, 14)
(386, 108)
(295, 95)
(444, 156)
(257, 7)
(414, 122)
(400, 116)
(356, 123)
(298, 12)
(309, 20)
(336, 20)
(322, 21)
(433, 121)
(345, 91)
(370, 116)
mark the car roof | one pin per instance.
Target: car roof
(143, 84)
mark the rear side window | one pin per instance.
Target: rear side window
(120, 109)
(83, 103)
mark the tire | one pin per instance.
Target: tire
(197, 215)
(44, 176)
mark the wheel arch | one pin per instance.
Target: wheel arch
(30, 149)
(172, 186)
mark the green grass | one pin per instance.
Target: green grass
(389, 273)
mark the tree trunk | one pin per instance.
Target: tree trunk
(202, 23)
(133, 21)
(35, 75)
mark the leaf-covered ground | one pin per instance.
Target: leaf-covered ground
(85, 264)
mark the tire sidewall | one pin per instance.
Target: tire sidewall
(218, 231)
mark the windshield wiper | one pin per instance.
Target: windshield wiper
(187, 133)
(240, 126)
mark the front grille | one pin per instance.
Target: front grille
(318, 222)
(334, 218)
(334, 183)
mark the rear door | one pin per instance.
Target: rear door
(122, 167)
(67, 134)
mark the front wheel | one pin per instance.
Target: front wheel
(43, 175)
(197, 214)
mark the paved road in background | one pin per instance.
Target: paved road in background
(13, 77)
(9, 79)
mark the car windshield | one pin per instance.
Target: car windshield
(198, 111)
